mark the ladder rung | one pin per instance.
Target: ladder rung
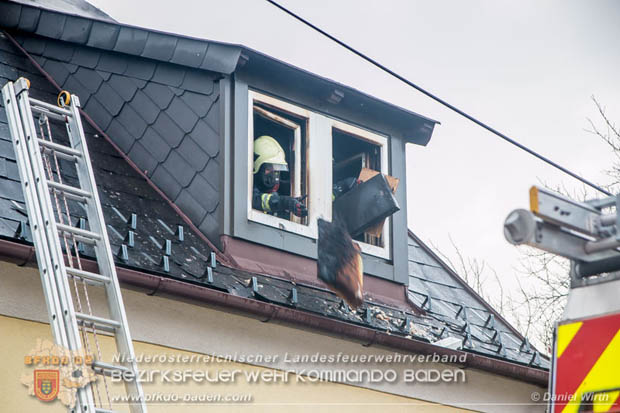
(54, 109)
(87, 275)
(59, 148)
(67, 189)
(88, 236)
(60, 155)
(49, 113)
(102, 323)
(106, 368)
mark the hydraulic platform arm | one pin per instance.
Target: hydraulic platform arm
(587, 232)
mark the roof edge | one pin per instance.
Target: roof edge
(120, 37)
(469, 289)
(157, 285)
(174, 48)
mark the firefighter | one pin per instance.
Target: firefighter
(269, 161)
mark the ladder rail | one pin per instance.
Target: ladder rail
(32, 202)
(70, 328)
(105, 259)
(84, 395)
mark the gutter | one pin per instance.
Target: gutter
(161, 286)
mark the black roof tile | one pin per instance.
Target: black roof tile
(206, 137)
(130, 41)
(117, 132)
(159, 46)
(57, 70)
(76, 30)
(71, 67)
(199, 103)
(166, 182)
(168, 130)
(112, 62)
(140, 68)
(193, 154)
(179, 168)
(34, 44)
(209, 195)
(143, 159)
(182, 115)
(177, 91)
(212, 173)
(76, 87)
(98, 112)
(210, 224)
(4, 128)
(168, 74)
(159, 94)
(6, 147)
(155, 144)
(111, 100)
(145, 107)
(11, 189)
(51, 25)
(189, 52)
(3, 168)
(89, 78)
(86, 56)
(217, 58)
(29, 19)
(198, 81)
(213, 117)
(103, 35)
(110, 163)
(10, 18)
(8, 72)
(19, 62)
(132, 121)
(124, 86)
(128, 185)
(190, 206)
(104, 75)
(60, 51)
(10, 211)
(138, 82)
(40, 60)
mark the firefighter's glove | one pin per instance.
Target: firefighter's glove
(294, 205)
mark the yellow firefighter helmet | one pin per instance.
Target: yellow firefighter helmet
(268, 150)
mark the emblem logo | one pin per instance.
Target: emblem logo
(46, 384)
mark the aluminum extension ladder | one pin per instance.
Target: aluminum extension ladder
(69, 327)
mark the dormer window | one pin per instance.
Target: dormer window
(360, 154)
(319, 152)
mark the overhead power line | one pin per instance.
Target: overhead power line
(438, 99)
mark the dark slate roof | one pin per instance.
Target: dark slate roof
(131, 207)
(165, 117)
(205, 55)
(445, 297)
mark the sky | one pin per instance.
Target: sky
(527, 68)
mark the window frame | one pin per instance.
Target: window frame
(319, 168)
(382, 142)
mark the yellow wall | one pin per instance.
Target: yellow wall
(18, 337)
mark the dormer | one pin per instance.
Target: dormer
(328, 132)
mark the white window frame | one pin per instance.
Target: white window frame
(319, 173)
(382, 142)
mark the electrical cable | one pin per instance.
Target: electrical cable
(439, 100)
